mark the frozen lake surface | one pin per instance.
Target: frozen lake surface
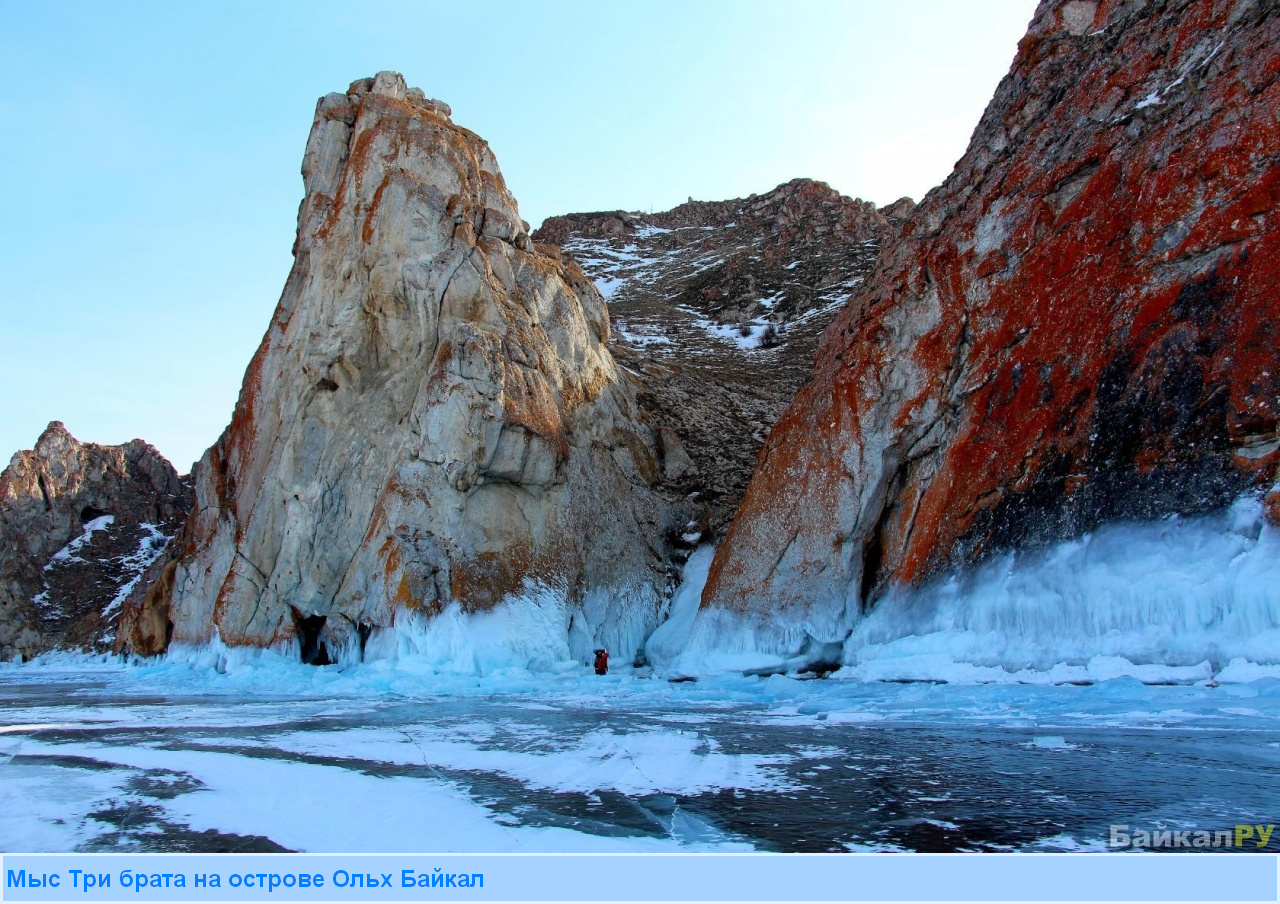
(174, 757)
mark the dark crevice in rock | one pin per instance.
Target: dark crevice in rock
(312, 648)
(363, 631)
(872, 564)
(874, 553)
(89, 513)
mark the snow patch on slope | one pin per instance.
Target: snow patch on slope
(69, 553)
(149, 549)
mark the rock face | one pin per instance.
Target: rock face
(433, 415)
(899, 210)
(78, 524)
(1080, 324)
(717, 307)
(1272, 506)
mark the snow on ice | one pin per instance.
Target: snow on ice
(489, 731)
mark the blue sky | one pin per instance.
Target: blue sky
(149, 171)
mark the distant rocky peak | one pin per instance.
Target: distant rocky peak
(899, 210)
(802, 209)
(78, 523)
(344, 167)
(392, 85)
(716, 307)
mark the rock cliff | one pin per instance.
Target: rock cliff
(1079, 325)
(432, 417)
(79, 523)
(717, 307)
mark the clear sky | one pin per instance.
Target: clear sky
(149, 162)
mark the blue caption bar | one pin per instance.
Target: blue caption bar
(666, 877)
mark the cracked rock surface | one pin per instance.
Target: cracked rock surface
(433, 414)
(1079, 325)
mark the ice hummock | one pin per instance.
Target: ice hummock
(535, 631)
(670, 637)
(1181, 600)
(1184, 600)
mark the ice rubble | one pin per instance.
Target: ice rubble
(1184, 600)
(535, 631)
(1175, 601)
(631, 761)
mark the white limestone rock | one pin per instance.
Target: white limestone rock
(432, 416)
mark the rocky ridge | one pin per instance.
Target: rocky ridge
(433, 416)
(717, 308)
(79, 523)
(1079, 325)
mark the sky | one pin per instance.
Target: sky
(149, 172)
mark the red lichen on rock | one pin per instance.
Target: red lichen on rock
(1081, 324)
(1273, 507)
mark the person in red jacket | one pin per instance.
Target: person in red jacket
(602, 662)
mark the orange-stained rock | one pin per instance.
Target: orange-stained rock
(433, 415)
(1272, 507)
(1081, 324)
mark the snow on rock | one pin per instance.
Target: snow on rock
(69, 553)
(79, 524)
(90, 578)
(717, 308)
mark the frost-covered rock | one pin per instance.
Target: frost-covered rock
(1079, 326)
(432, 424)
(79, 523)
